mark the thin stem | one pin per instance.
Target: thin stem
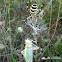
(50, 19)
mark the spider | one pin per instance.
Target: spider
(33, 11)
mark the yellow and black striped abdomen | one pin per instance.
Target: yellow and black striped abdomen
(33, 9)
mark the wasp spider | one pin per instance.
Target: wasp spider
(33, 11)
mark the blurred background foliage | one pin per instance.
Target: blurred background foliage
(12, 14)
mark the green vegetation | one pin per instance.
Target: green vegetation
(43, 29)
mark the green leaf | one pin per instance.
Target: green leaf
(45, 40)
(56, 58)
(14, 60)
(13, 20)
